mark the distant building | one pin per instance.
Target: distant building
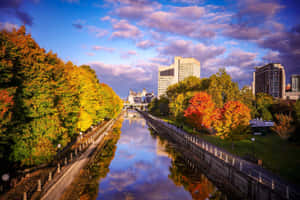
(140, 97)
(294, 93)
(179, 70)
(295, 80)
(269, 79)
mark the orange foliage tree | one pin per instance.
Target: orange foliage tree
(6, 104)
(201, 111)
(232, 119)
(283, 126)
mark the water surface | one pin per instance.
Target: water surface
(146, 167)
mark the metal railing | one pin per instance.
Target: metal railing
(252, 170)
(64, 161)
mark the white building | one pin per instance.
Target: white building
(139, 97)
(179, 70)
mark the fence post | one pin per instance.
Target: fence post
(287, 192)
(241, 166)
(24, 196)
(75, 151)
(226, 158)
(58, 167)
(233, 160)
(259, 177)
(273, 185)
(71, 156)
(221, 155)
(39, 188)
(50, 176)
(66, 161)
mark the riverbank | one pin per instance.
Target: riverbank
(29, 183)
(277, 155)
(85, 185)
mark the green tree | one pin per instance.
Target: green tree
(263, 104)
(247, 98)
(190, 83)
(222, 88)
(180, 104)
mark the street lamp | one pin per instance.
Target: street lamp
(5, 177)
(58, 147)
(253, 140)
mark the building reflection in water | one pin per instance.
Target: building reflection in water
(134, 117)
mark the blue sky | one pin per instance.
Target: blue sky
(126, 40)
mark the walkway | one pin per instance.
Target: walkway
(254, 171)
(64, 181)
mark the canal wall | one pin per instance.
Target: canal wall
(243, 180)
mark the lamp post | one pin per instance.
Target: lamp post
(5, 179)
(253, 140)
(58, 149)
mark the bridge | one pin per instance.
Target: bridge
(139, 106)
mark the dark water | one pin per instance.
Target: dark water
(146, 167)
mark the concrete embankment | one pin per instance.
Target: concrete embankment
(56, 189)
(226, 171)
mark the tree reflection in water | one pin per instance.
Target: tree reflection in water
(196, 183)
(143, 166)
(86, 186)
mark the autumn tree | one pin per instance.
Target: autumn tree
(201, 111)
(233, 119)
(283, 126)
(44, 101)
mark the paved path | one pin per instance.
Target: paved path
(66, 179)
(253, 170)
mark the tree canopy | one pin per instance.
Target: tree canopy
(44, 101)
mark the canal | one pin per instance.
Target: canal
(145, 166)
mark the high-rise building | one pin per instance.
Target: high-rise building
(179, 70)
(294, 93)
(295, 79)
(269, 79)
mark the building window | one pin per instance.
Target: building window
(169, 72)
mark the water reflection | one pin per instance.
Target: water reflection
(146, 167)
(196, 183)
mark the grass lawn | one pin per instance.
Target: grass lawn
(279, 156)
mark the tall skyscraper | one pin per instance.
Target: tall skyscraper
(270, 79)
(179, 70)
(295, 79)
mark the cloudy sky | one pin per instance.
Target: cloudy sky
(126, 40)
